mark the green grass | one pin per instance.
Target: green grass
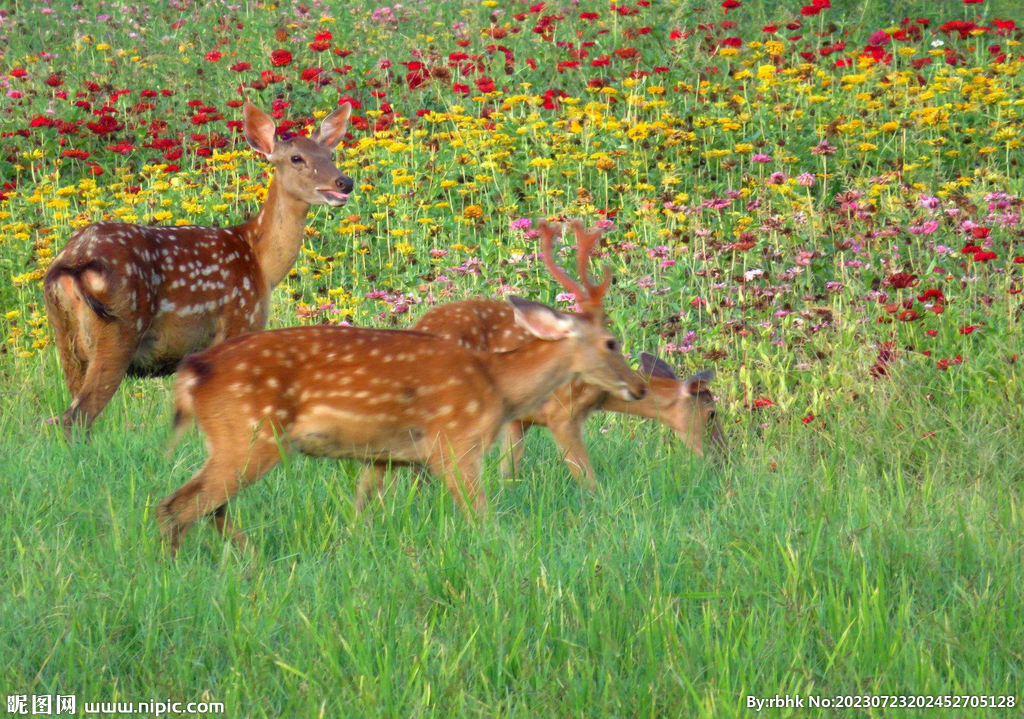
(856, 558)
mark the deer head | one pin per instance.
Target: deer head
(305, 165)
(597, 357)
(684, 405)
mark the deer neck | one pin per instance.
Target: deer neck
(528, 375)
(276, 232)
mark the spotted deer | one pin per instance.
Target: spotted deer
(135, 299)
(684, 405)
(379, 396)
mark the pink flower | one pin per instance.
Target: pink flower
(925, 228)
(761, 157)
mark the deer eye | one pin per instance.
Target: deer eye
(297, 159)
(612, 345)
(711, 416)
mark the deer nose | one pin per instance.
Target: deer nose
(345, 184)
(638, 393)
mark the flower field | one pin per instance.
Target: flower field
(822, 202)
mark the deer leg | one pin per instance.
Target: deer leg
(114, 347)
(227, 528)
(61, 310)
(211, 487)
(568, 434)
(371, 478)
(512, 447)
(463, 480)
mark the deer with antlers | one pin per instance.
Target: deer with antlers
(380, 396)
(133, 299)
(685, 405)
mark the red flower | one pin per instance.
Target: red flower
(808, 419)
(728, 5)
(213, 56)
(886, 354)
(932, 293)
(968, 329)
(970, 249)
(762, 402)
(485, 84)
(280, 58)
(984, 256)
(980, 233)
(627, 53)
(241, 66)
(1018, 260)
(54, 80)
(899, 280)
(19, 72)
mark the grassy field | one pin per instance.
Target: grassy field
(828, 214)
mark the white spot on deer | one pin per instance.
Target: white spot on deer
(472, 406)
(273, 383)
(245, 282)
(167, 306)
(443, 410)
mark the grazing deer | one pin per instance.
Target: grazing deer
(134, 299)
(686, 406)
(380, 396)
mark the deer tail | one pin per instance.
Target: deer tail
(92, 282)
(191, 373)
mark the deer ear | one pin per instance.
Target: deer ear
(259, 129)
(651, 366)
(700, 382)
(333, 127)
(542, 321)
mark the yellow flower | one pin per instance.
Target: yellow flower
(889, 126)
(473, 212)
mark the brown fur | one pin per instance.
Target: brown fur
(487, 325)
(133, 299)
(379, 396)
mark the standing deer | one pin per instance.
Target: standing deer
(686, 406)
(380, 396)
(134, 299)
